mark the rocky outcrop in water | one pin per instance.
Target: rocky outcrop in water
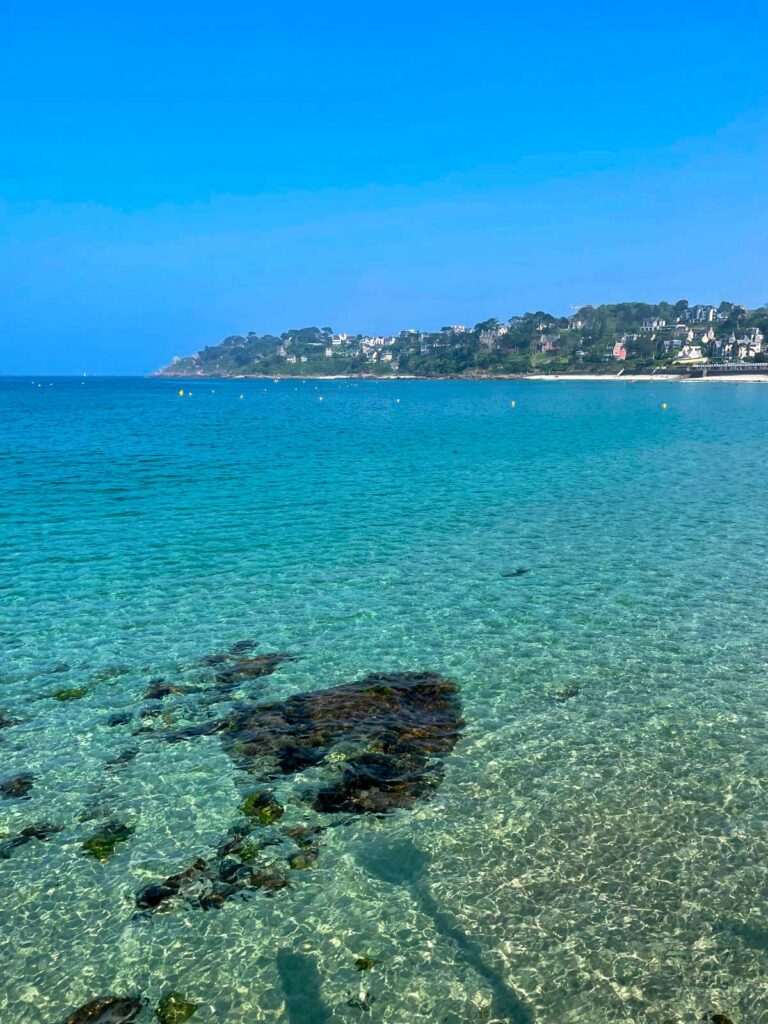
(41, 832)
(103, 843)
(386, 733)
(378, 744)
(209, 885)
(243, 669)
(17, 787)
(174, 1008)
(159, 689)
(108, 1010)
(73, 693)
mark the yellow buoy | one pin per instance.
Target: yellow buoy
(181, 391)
(513, 404)
(663, 405)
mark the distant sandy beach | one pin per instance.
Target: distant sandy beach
(625, 378)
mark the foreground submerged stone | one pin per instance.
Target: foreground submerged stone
(17, 787)
(103, 843)
(108, 1010)
(376, 745)
(174, 1009)
(386, 734)
(41, 832)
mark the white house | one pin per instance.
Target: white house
(690, 354)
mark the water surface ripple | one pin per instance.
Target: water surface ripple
(598, 847)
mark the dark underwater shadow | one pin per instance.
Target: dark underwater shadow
(401, 863)
(300, 979)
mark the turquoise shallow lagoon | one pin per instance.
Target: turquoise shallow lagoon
(598, 848)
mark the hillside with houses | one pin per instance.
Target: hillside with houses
(595, 339)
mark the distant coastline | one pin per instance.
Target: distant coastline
(632, 339)
(626, 378)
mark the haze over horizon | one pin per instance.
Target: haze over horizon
(256, 169)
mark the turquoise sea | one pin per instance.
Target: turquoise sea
(597, 849)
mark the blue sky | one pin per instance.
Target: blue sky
(172, 173)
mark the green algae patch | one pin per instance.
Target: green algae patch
(174, 1009)
(303, 860)
(73, 693)
(102, 844)
(250, 852)
(365, 963)
(262, 807)
(566, 693)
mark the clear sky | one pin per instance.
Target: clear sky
(171, 173)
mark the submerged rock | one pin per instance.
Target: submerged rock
(41, 832)
(102, 844)
(720, 1018)
(108, 1010)
(222, 657)
(302, 860)
(158, 689)
(7, 723)
(304, 837)
(389, 729)
(73, 693)
(120, 718)
(106, 675)
(514, 574)
(122, 758)
(365, 963)
(561, 696)
(251, 668)
(362, 1001)
(211, 660)
(151, 896)
(209, 885)
(17, 787)
(174, 1009)
(377, 742)
(242, 646)
(263, 807)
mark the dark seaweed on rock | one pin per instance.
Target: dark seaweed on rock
(7, 723)
(103, 843)
(17, 787)
(41, 832)
(566, 693)
(251, 668)
(386, 734)
(124, 757)
(174, 1008)
(209, 885)
(108, 1010)
(389, 728)
(157, 689)
(242, 646)
(119, 718)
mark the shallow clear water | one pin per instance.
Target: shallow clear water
(599, 857)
